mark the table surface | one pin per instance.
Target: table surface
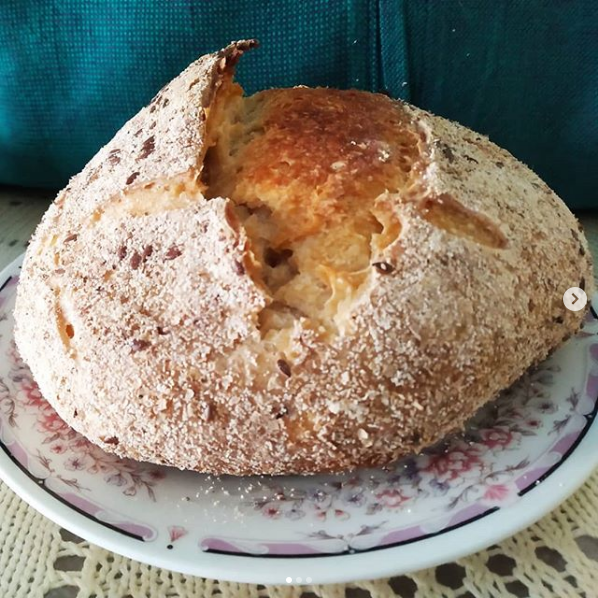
(558, 556)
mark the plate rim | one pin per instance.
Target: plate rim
(383, 562)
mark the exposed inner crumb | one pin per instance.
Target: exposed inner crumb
(309, 183)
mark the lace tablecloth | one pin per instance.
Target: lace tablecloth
(557, 556)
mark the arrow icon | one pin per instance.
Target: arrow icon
(575, 299)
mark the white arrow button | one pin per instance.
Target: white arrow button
(575, 299)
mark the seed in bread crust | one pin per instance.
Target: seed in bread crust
(149, 145)
(383, 267)
(281, 412)
(447, 152)
(131, 178)
(207, 413)
(362, 434)
(139, 345)
(135, 261)
(239, 268)
(113, 156)
(284, 367)
(172, 253)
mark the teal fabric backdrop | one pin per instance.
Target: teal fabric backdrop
(524, 72)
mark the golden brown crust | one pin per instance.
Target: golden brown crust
(170, 324)
(303, 130)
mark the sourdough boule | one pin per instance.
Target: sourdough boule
(302, 280)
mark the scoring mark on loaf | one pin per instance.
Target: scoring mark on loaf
(313, 177)
(444, 212)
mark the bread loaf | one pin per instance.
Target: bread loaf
(299, 281)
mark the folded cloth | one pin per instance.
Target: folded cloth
(524, 73)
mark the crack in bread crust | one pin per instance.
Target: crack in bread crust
(306, 169)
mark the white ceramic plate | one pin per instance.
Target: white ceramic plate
(519, 458)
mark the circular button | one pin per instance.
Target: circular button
(575, 299)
